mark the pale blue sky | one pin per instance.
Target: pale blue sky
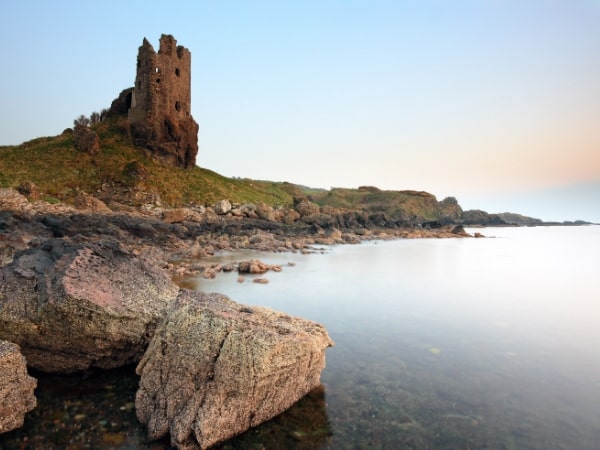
(494, 102)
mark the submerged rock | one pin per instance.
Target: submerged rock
(215, 368)
(72, 306)
(16, 388)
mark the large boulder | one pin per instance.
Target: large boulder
(222, 207)
(87, 202)
(215, 368)
(306, 208)
(289, 216)
(265, 212)
(12, 200)
(16, 388)
(179, 215)
(71, 306)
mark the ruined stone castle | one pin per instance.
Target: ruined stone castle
(159, 105)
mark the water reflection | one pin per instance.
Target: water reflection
(304, 426)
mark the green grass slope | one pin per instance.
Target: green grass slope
(395, 204)
(59, 170)
(121, 172)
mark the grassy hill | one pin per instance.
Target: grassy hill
(124, 173)
(405, 204)
(59, 170)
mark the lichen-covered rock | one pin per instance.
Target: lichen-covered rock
(16, 387)
(265, 212)
(289, 216)
(179, 215)
(305, 207)
(222, 207)
(71, 306)
(87, 202)
(12, 200)
(215, 368)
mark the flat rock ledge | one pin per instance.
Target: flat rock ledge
(71, 306)
(215, 368)
(16, 387)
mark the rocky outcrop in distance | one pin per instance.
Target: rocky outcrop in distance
(483, 218)
(16, 387)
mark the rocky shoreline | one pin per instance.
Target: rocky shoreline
(90, 285)
(177, 239)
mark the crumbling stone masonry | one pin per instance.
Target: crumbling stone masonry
(160, 113)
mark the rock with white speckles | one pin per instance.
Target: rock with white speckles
(216, 368)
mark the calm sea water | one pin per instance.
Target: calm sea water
(440, 344)
(452, 343)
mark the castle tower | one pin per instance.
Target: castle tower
(160, 115)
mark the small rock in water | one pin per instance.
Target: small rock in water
(260, 280)
(209, 273)
(253, 266)
(228, 268)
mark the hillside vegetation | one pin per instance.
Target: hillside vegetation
(121, 172)
(402, 204)
(59, 171)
